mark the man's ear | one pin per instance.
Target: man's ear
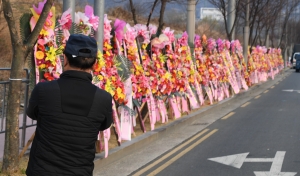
(66, 61)
(96, 62)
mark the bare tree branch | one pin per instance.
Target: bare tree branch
(151, 12)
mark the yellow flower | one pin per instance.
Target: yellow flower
(51, 56)
(101, 63)
(99, 55)
(184, 48)
(192, 72)
(113, 78)
(44, 32)
(167, 76)
(108, 46)
(39, 55)
(157, 65)
(139, 68)
(108, 88)
(42, 66)
(119, 91)
(144, 46)
(100, 77)
(121, 96)
(180, 73)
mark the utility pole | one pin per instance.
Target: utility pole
(99, 11)
(246, 34)
(191, 22)
(231, 18)
(69, 4)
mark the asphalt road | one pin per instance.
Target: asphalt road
(257, 134)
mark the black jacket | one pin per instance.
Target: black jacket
(70, 112)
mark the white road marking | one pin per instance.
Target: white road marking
(237, 161)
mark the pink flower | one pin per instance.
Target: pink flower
(197, 41)
(66, 20)
(264, 50)
(170, 34)
(107, 28)
(55, 75)
(160, 42)
(130, 34)
(94, 20)
(221, 45)
(227, 44)
(48, 23)
(40, 7)
(238, 46)
(66, 34)
(183, 40)
(142, 31)
(211, 44)
(119, 29)
(152, 29)
(233, 46)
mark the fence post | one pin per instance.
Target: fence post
(3, 107)
(25, 107)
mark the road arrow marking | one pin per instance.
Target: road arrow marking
(291, 90)
(288, 90)
(237, 161)
(275, 174)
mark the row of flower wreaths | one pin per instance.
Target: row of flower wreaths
(135, 66)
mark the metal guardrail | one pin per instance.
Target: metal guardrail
(5, 85)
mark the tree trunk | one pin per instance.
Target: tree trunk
(20, 50)
(161, 17)
(11, 147)
(133, 12)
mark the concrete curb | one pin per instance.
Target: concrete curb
(145, 139)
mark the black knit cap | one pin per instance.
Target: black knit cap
(76, 42)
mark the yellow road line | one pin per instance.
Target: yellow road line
(266, 91)
(272, 87)
(140, 172)
(172, 160)
(228, 115)
(246, 104)
(257, 97)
